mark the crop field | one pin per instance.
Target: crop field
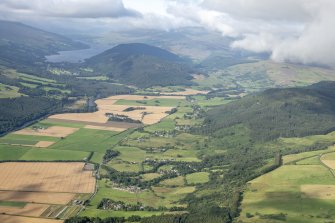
(30, 210)
(53, 131)
(18, 219)
(42, 191)
(106, 128)
(329, 160)
(301, 191)
(51, 187)
(153, 114)
(27, 140)
(36, 197)
(50, 177)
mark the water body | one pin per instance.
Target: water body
(77, 56)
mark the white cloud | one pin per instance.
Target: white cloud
(69, 8)
(210, 19)
(291, 30)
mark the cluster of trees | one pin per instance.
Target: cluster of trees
(121, 118)
(109, 204)
(133, 109)
(109, 155)
(209, 213)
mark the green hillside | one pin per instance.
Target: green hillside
(291, 112)
(141, 65)
(22, 44)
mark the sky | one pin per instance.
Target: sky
(299, 31)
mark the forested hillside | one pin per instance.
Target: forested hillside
(141, 65)
(24, 45)
(291, 112)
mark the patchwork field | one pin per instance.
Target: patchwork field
(29, 210)
(18, 219)
(53, 131)
(50, 188)
(153, 114)
(36, 197)
(44, 191)
(47, 177)
(301, 191)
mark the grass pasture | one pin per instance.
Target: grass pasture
(177, 181)
(299, 192)
(89, 140)
(7, 91)
(12, 204)
(150, 176)
(53, 155)
(197, 178)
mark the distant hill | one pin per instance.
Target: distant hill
(141, 65)
(290, 112)
(22, 44)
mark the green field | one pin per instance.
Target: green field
(121, 166)
(87, 140)
(106, 191)
(7, 91)
(197, 178)
(12, 204)
(177, 181)
(279, 193)
(164, 125)
(53, 155)
(12, 152)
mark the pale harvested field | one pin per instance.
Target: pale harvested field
(185, 93)
(199, 76)
(36, 197)
(44, 144)
(319, 191)
(46, 177)
(53, 131)
(40, 144)
(107, 105)
(106, 128)
(328, 162)
(17, 219)
(30, 210)
(140, 97)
